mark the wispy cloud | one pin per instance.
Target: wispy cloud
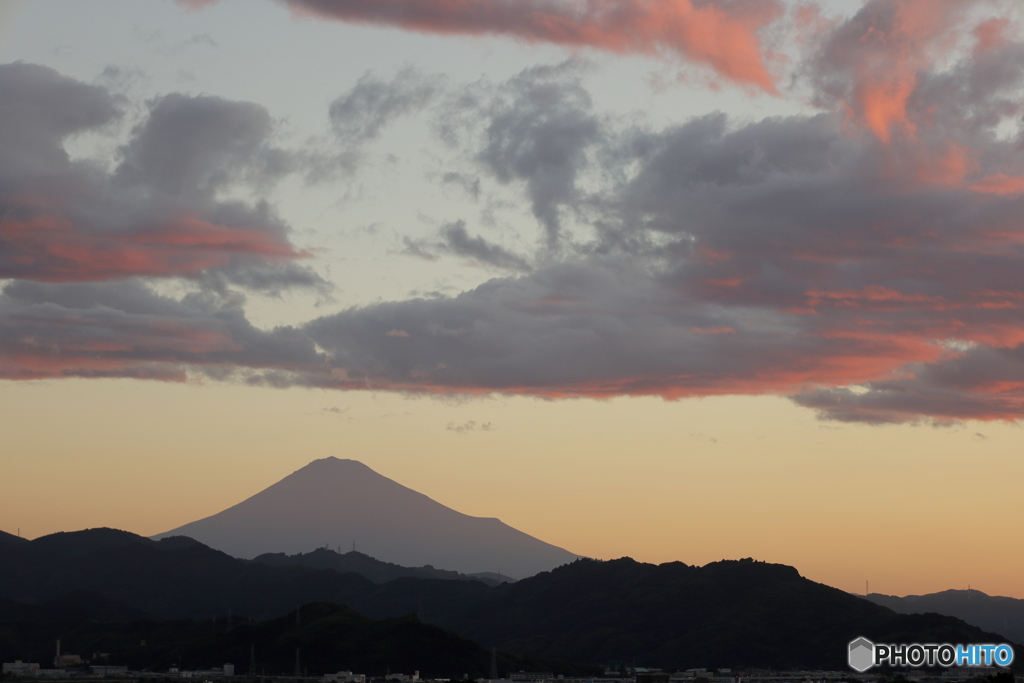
(469, 426)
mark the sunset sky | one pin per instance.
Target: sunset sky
(673, 279)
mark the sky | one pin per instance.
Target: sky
(669, 279)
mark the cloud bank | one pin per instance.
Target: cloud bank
(867, 261)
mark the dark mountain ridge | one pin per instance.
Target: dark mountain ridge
(364, 565)
(989, 612)
(11, 538)
(171, 578)
(329, 637)
(731, 613)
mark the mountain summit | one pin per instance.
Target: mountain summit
(339, 502)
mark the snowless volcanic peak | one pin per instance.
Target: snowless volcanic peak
(339, 502)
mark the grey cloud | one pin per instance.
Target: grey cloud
(39, 109)
(191, 147)
(470, 185)
(870, 280)
(767, 257)
(361, 114)
(267, 278)
(456, 240)
(582, 329)
(983, 383)
(469, 426)
(540, 126)
(157, 214)
(123, 329)
(418, 248)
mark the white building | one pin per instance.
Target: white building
(402, 678)
(345, 677)
(20, 668)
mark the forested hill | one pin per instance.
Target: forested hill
(732, 613)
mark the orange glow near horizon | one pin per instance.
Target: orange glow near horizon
(694, 481)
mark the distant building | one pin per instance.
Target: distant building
(20, 668)
(216, 672)
(62, 660)
(108, 670)
(402, 678)
(652, 677)
(51, 673)
(31, 670)
(345, 677)
(531, 675)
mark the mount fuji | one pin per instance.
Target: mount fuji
(338, 502)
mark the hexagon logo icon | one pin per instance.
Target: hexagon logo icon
(861, 655)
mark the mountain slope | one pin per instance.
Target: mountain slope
(735, 613)
(993, 613)
(11, 538)
(729, 613)
(330, 637)
(339, 502)
(171, 578)
(364, 565)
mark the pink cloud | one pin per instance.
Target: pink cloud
(49, 248)
(723, 36)
(873, 62)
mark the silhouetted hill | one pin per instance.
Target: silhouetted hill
(11, 538)
(80, 606)
(730, 613)
(330, 638)
(989, 612)
(364, 565)
(492, 578)
(341, 501)
(173, 577)
(78, 543)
